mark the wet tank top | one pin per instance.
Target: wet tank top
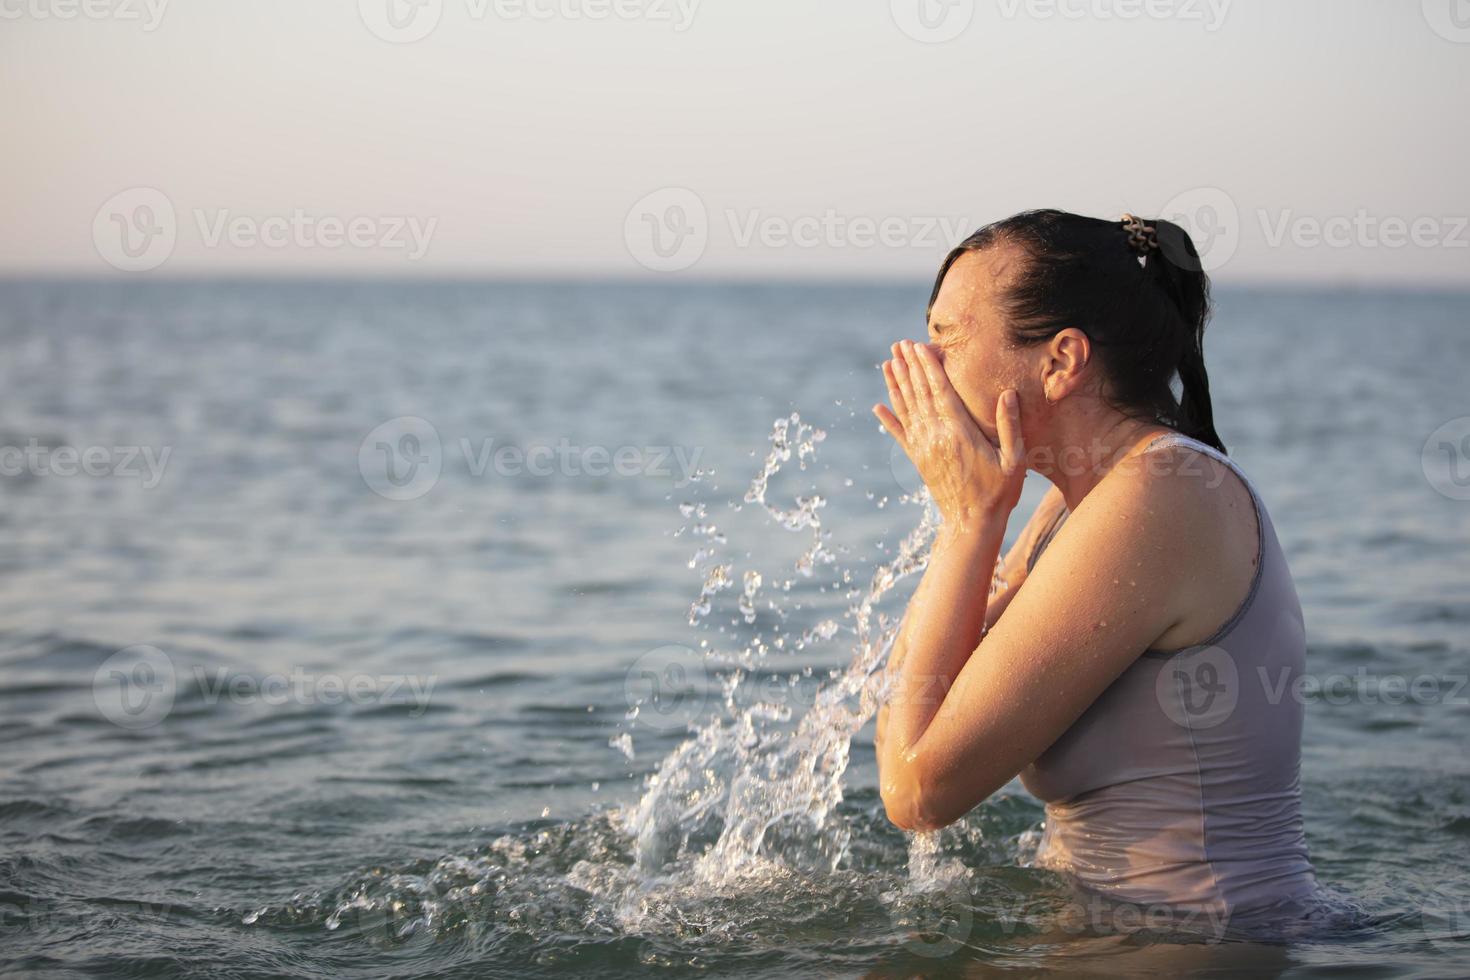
(1179, 785)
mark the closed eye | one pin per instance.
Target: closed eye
(944, 335)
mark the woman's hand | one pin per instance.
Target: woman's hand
(969, 477)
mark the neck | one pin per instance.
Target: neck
(1085, 443)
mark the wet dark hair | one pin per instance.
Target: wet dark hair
(1146, 320)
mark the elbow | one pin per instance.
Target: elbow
(905, 816)
(909, 798)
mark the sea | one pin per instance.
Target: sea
(530, 629)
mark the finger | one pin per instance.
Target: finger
(904, 378)
(946, 400)
(918, 380)
(1008, 426)
(895, 394)
(890, 422)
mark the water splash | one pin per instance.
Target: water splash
(751, 789)
(747, 805)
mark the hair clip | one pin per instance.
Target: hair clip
(1142, 238)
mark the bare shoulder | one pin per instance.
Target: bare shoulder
(1201, 521)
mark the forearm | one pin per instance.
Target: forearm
(941, 629)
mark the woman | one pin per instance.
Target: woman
(1138, 676)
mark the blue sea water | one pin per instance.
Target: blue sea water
(355, 629)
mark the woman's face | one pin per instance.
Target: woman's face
(967, 331)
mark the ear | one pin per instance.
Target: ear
(1063, 369)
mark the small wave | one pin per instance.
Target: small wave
(1459, 826)
(127, 827)
(502, 679)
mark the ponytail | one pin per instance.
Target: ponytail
(1175, 267)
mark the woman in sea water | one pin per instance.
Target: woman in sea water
(1133, 658)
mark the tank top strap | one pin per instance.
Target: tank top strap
(1262, 523)
(1044, 539)
(1179, 438)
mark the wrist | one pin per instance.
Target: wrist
(976, 531)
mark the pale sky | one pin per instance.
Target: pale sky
(674, 140)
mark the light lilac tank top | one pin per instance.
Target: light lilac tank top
(1179, 785)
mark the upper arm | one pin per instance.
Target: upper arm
(1104, 594)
